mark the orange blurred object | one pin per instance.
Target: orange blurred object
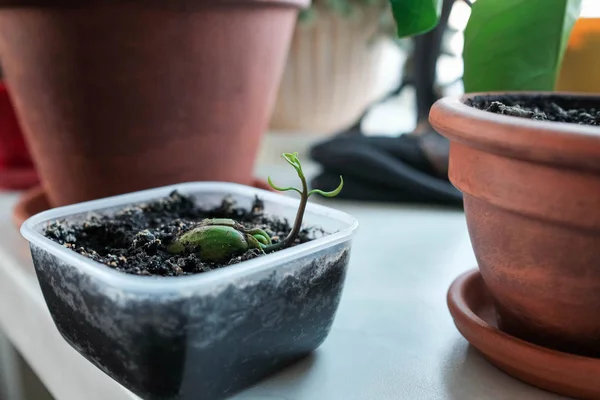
(580, 71)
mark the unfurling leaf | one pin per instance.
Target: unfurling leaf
(281, 189)
(333, 193)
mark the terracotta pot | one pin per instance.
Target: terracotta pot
(16, 167)
(118, 96)
(532, 201)
(13, 149)
(331, 73)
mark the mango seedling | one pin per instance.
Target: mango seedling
(219, 239)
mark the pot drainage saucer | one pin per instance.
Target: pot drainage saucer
(35, 201)
(472, 308)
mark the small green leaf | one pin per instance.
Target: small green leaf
(415, 17)
(280, 188)
(333, 193)
(263, 240)
(513, 45)
(254, 243)
(292, 159)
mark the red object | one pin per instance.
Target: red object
(476, 317)
(16, 167)
(13, 150)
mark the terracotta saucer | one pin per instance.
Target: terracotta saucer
(34, 201)
(474, 314)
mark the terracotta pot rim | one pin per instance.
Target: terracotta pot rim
(557, 143)
(301, 4)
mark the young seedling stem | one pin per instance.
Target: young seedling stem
(292, 159)
(218, 239)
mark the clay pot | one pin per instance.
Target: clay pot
(16, 167)
(117, 96)
(13, 149)
(532, 202)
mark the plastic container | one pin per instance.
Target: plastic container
(204, 336)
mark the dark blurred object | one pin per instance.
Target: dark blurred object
(412, 167)
(16, 167)
(383, 169)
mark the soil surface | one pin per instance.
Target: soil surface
(542, 108)
(134, 239)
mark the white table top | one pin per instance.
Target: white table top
(393, 337)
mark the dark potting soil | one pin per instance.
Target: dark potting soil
(134, 239)
(542, 108)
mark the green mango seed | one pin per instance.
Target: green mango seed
(217, 243)
(220, 221)
(176, 247)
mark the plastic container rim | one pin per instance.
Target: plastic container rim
(158, 283)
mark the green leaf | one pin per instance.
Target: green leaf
(333, 193)
(281, 189)
(517, 44)
(292, 159)
(415, 17)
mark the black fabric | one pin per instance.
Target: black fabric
(387, 169)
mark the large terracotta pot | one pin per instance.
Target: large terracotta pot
(532, 201)
(13, 149)
(16, 167)
(118, 96)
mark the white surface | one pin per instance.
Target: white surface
(393, 337)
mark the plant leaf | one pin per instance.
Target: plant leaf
(516, 44)
(292, 159)
(280, 188)
(333, 193)
(415, 17)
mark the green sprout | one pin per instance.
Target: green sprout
(219, 239)
(292, 159)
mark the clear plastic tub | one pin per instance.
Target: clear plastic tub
(204, 336)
